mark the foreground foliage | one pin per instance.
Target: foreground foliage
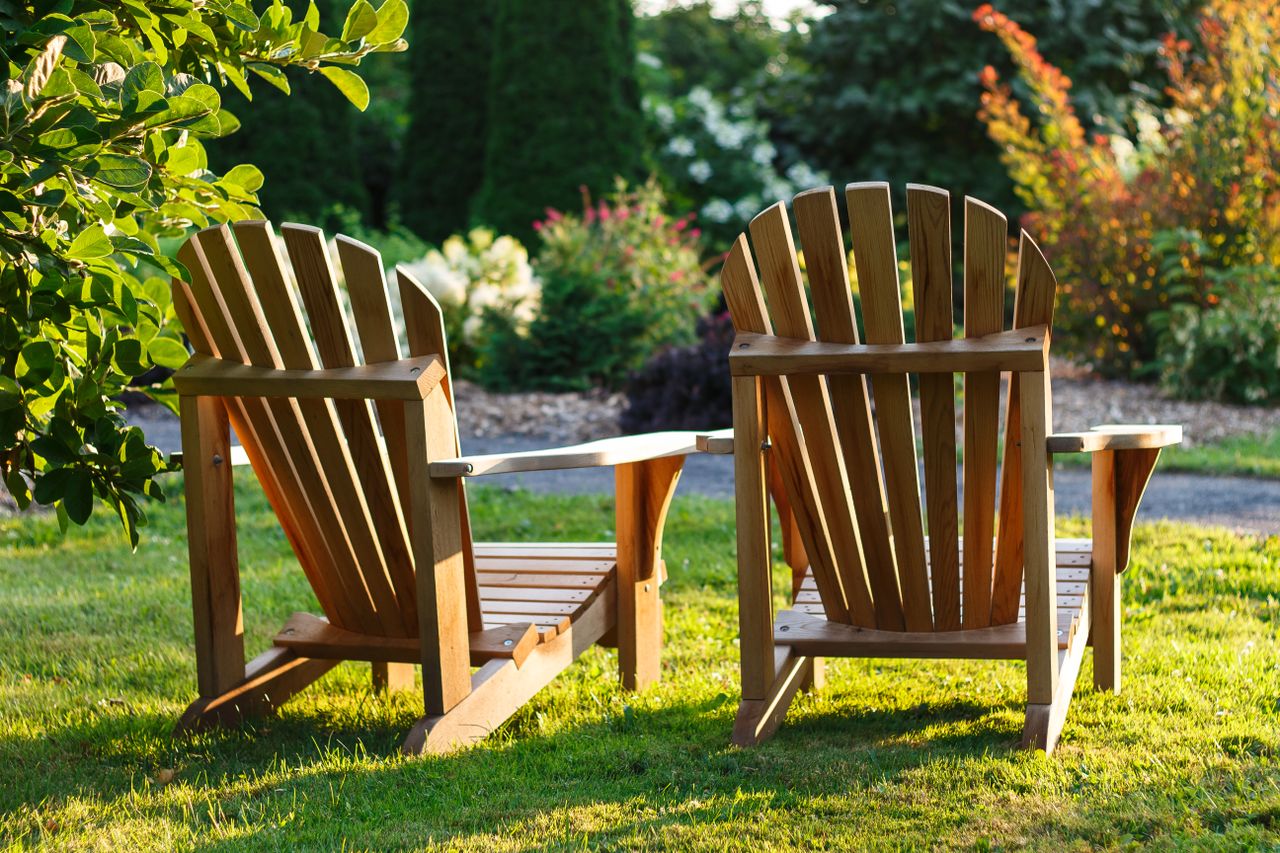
(98, 664)
(101, 120)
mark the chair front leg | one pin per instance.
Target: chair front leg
(644, 492)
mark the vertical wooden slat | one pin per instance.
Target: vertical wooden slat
(985, 244)
(929, 226)
(755, 590)
(211, 539)
(424, 327)
(1039, 546)
(827, 265)
(315, 278)
(1033, 306)
(746, 307)
(279, 430)
(437, 548)
(1104, 583)
(875, 253)
(780, 275)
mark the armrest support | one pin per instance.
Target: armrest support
(594, 454)
(409, 379)
(1117, 437)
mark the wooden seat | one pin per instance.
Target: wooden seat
(824, 423)
(356, 447)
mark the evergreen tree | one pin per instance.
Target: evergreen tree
(443, 151)
(563, 108)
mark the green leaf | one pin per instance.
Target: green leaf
(242, 16)
(78, 496)
(349, 84)
(52, 485)
(10, 394)
(361, 20)
(36, 363)
(143, 77)
(271, 74)
(90, 243)
(246, 176)
(312, 18)
(168, 352)
(117, 170)
(392, 19)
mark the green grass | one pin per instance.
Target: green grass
(96, 664)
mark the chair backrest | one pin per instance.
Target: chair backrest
(336, 472)
(850, 468)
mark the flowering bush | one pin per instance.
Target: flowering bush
(480, 280)
(619, 280)
(1137, 226)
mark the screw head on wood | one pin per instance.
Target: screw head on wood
(508, 642)
(217, 459)
(784, 628)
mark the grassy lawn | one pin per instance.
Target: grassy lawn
(96, 664)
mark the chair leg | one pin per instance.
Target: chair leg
(1104, 583)
(644, 492)
(390, 677)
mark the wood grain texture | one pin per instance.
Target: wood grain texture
(826, 262)
(1117, 437)
(1033, 306)
(929, 224)
(758, 719)
(789, 310)
(986, 237)
(1104, 585)
(408, 380)
(746, 307)
(1039, 549)
(621, 450)
(875, 253)
(270, 680)
(755, 564)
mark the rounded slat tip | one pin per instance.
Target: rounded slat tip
(927, 188)
(867, 186)
(979, 204)
(778, 208)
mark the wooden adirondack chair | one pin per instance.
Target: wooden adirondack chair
(868, 582)
(371, 499)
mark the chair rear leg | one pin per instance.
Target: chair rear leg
(644, 492)
(1104, 583)
(390, 677)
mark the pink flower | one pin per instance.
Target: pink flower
(695, 233)
(623, 212)
(554, 215)
(590, 215)
(537, 225)
(658, 221)
(604, 212)
(677, 276)
(681, 224)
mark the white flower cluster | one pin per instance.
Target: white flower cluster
(479, 272)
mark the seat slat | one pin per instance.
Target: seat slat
(985, 246)
(780, 275)
(875, 254)
(548, 550)
(315, 278)
(929, 224)
(283, 424)
(1033, 306)
(544, 566)
(564, 596)
(827, 264)
(519, 579)
(746, 305)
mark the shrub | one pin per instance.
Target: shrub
(1136, 227)
(105, 110)
(480, 281)
(619, 281)
(685, 387)
(1231, 350)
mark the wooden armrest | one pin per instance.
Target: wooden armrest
(1119, 437)
(719, 442)
(409, 379)
(593, 454)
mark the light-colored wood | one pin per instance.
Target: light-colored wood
(764, 355)
(644, 491)
(719, 442)
(809, 634)
(410, 379)
(1133, 472)
(793, 552)
(500, 688)
(1039, 549)
(755, 588)
(622, 450)
(929, 223)
(391, 677)
(875, 253)
(1044, 722)
(215, 567)
(746, 307)
(986, 238)
(270, 680)
(1104, 582)
(1118, 437)
(437, 551)
(758, 719)
(827, 265)
(1033, 306)
(317, 282)
(788, 307)
(313, 637)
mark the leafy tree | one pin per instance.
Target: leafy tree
(443, 151)
(562, 108)
(888, 89)
(102, 117)
(697, 47)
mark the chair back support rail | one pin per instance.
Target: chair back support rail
(837, 414)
